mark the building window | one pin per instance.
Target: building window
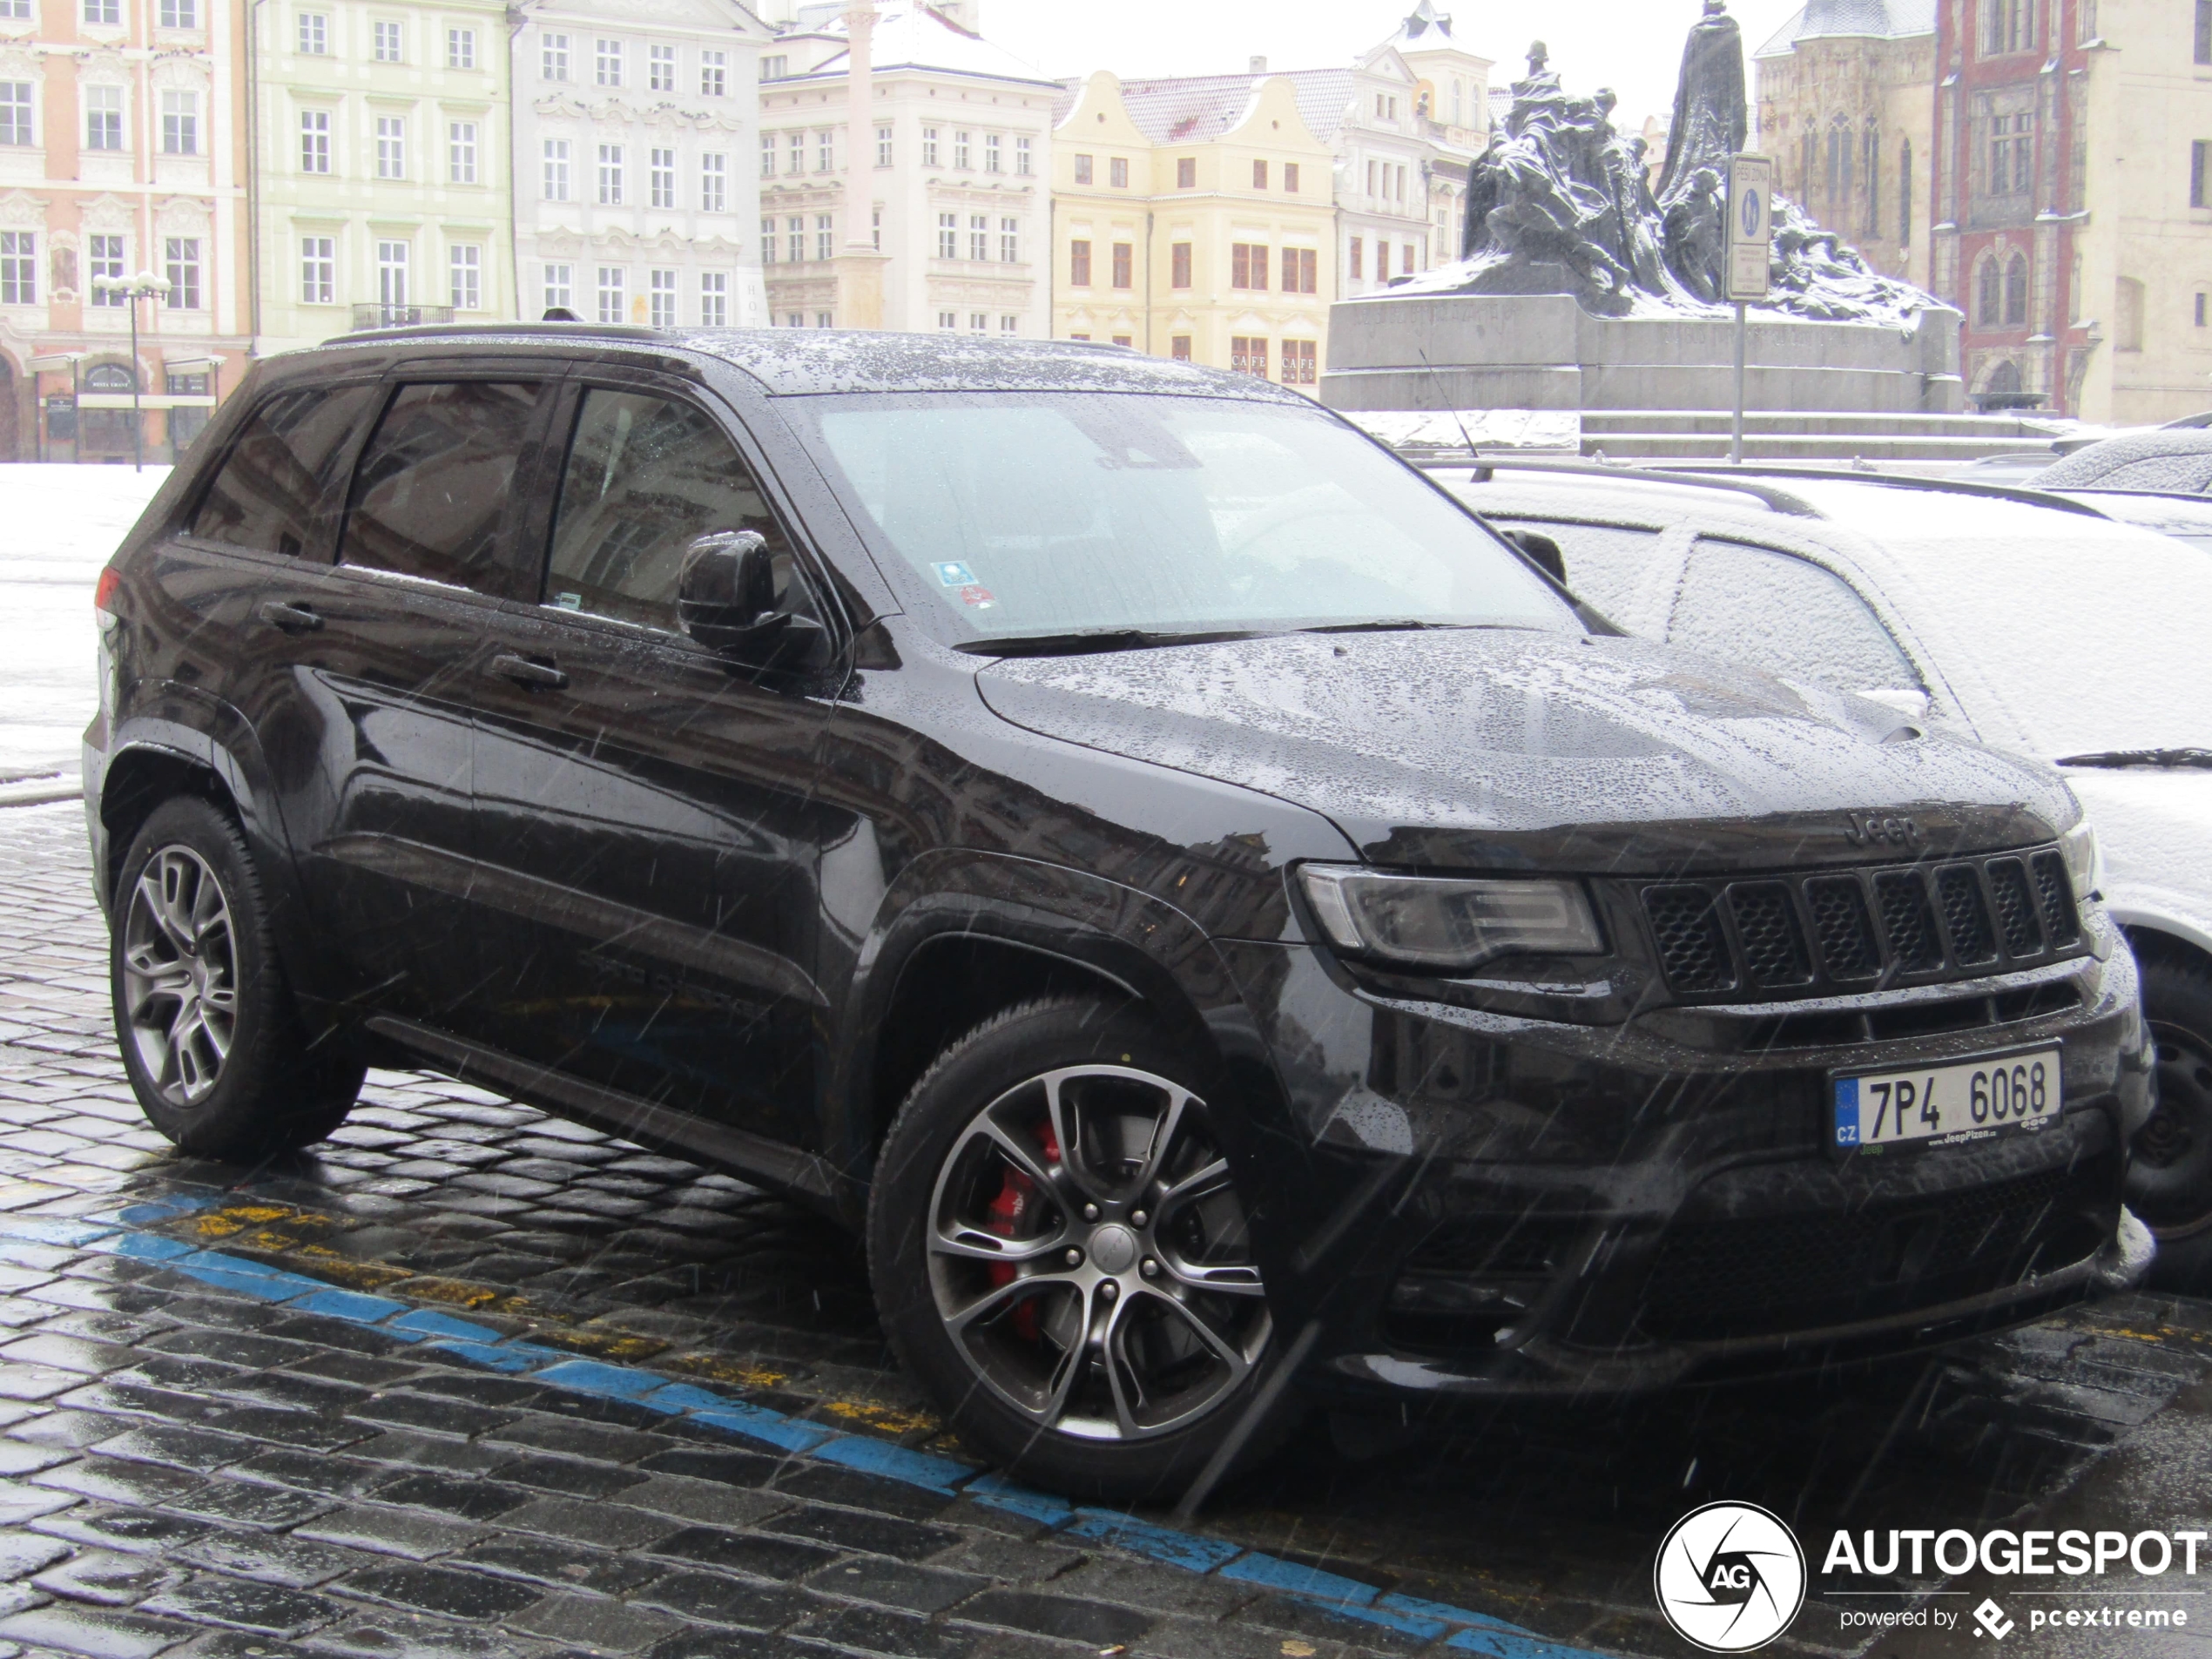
(1839, 164)
(1009, 241)
(1079, 265)
(714, 74)
(314, 34)
(1248, 267)
(1025, 155)
(2007, 26)
(714, 299)
(610, 167)
(104, 12)
(775, 68)
(929, 146)
(553, 57)
(1300, 364)
(1988, 297)
(825, 236)
(387, 38)
(2012, 152)
(1873, 157)
(795, 319)
(1082, 170)
(180, 124)
(1124, 340)
(391, 146)
(1124, 265)
(767, 241)
(460, 49)
(978, 236)
(823, 320)
(795, 240)
(1079, 336)
(2128, 314)
(104, 118)
(994, 153)
(1905, 194)
(883, 147)
(1357, 258)
(614, 293)
(1118, 173)
(795, 153)
(949, 236)
(767, 155)
(180, 14)
(660, 293)
(556, 169)
(961, 161)
(1009, 325)
(1289, 178)
(826, 150)
(661, 178)
(1300, 266)
(1179, 347)
(318, 270)
(606, 62)
(314, 140)
(660, 69)
(1408, 260)
(1186, 173)
(1248, 356)
(1259, 175)
(560, 287)
(948, 320)
(391, 274)
(1179, 265)
(2201, 298)
(978, 323)
(180, 265)
(461, 153)
(18, 267)
(714, 183)
(465, 264)
(2199, 162)
(2016, 290)
(876, 229)
(103, 258)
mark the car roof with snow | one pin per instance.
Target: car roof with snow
(2176, 462)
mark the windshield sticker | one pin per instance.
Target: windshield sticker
(955, 575)
(977, 596)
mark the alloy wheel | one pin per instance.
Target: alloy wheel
(2178, 1138)
(179, 974)
(1090, 1258)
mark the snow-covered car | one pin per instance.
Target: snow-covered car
(2032, 623)
(2176, 461)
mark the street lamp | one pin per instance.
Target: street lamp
(141, 286)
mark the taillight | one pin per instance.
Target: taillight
(104, 595)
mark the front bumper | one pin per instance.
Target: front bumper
(1474, 1205)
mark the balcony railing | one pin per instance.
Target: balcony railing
(383, 316)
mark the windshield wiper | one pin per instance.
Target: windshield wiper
(2116, 757)
(1104, 639)
(1406, 625)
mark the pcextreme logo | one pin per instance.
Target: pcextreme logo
(1729, 1577)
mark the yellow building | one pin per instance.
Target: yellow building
(1195, 218)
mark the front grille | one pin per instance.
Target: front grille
(1758, 1275)
(1783, 936)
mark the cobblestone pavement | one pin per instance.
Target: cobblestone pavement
(471, 1380)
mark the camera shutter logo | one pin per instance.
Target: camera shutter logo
(1731, 1577)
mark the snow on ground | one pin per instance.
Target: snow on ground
(58, 526)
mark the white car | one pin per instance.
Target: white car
(2027, 621)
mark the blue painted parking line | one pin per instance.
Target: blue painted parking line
(470, 1343)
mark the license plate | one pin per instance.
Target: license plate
(1972, 1100)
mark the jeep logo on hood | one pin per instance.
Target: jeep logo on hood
(1866, 829)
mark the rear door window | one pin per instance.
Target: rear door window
(269, 490)
(1784, 614)
(436, 483)
(646, 477)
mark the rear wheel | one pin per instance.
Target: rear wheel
(2169, 1185)
(211, 1040)
(1060, 1255)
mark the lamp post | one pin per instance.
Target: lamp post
(141, 286)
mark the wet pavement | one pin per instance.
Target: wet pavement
(471, 1380)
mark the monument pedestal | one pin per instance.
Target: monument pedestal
(1543, 351)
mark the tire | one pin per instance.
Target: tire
(1122, 1393)
(2169, 1182)
(211, 1039)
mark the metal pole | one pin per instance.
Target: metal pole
(1736, 432)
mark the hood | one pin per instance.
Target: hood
(1496, 749)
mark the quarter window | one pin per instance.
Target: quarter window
(432, 492)
(270, 488)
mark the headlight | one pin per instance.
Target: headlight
(2085, 863)
(1436, 922)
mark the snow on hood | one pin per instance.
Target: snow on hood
(1488, 745)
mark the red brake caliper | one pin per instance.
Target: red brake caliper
(1009, 1212)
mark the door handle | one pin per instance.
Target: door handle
(528, 674)
(293, 619)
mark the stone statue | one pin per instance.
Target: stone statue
(1560, 202)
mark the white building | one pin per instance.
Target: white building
(635, 185)
(951, 230)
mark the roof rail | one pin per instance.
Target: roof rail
(1780, 501)
(479, 330)
(1907, 481)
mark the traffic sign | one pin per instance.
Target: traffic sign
(1751, 225)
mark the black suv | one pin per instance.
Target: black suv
(1213, 912)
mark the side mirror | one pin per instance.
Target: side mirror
(1541, 549)
(726, 600)
(1913, 702)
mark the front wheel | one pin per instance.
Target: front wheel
(2170, 1183)
(1061, 1257)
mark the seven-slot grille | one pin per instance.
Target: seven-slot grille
(1802, 935)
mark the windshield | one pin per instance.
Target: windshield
(1030, 514)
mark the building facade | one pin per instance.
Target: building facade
(1451, 98)
(1845, 102)
(2074, 201)
(635, 185)
(121, 157)
(381, 148)
(1195, 219)
(904, 171)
